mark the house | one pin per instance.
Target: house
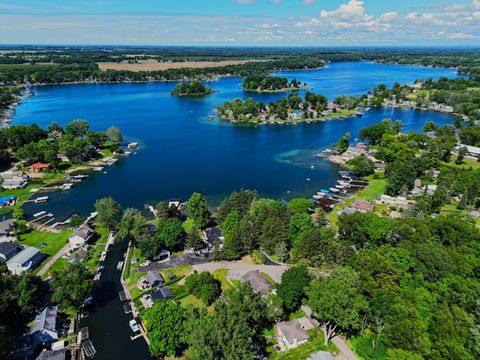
(290, 334)
(28, 258)
(82, 236)
(258, 282)
(6, 227)
(163, 293)
(78, 256)
(154, 278)
(213, 236)
(362, 206)
(45, 326)
(398, 201)
(9, 200)
(63, 354)
(473, 152)
(56, 134)
(15, 183)
(164, 254)
(8, 250)
(347, 211)
(321, 355)
(38, 167)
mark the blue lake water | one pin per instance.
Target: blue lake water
(181, 151)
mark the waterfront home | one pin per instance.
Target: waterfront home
(14, 183)
(395, 201)
(154, 278)
(55, 134)
(26, 259)
(6, 227)
(82, 236)
(8, 250)
(38, 167)
(362, 206)
(213, 236)
(45, 328)
(78, 255)
(62, 354)
(9, 200)
(290, 334)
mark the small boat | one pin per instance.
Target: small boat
(211, 117)
(41, 199)
(133, 145)
(324, 191)
(359, 113)
(134, 326)
(126, 308)
(120, 265)
(334, 190)
(308, 179)
(37, 215)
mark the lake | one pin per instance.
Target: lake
(181, 151)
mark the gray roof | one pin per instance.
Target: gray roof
(84, 232)
(46, 320)
(154, 277)
(8, 250)
(321, 355)
(6, 225)
(162, 294)
(291, 330)
(213, 235)
(25, 256)
(258, 282)
(53, 355)
(78, 256)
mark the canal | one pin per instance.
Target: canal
(107, 322)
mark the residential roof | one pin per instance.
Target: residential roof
(362, 205)
(84, 232)
(39, 166)
(213, 235)
(6, 225)
(6, 199)
(258, 282)
(13, 182)
(78, 256)
(27, 254)
(292, 330)
(46, 320)
(162, 294)
(54, 355)
(154, 277)
(8, 250)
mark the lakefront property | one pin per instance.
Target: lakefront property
(242, 187)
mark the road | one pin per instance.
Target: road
(54, 258)
(345, 352)
(274, 271)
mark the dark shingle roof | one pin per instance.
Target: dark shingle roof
(257, 281)
(162, 294)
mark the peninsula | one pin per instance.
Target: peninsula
(192, 88)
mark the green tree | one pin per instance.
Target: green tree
(337, 302)
(170, 232)
(194, 240)
(149, 245)
(461, 155)
(132, 225)
(165, 324)
(77, 128)
(204, 286)
(361, 165)
(163, 212)
(300, 205)
(343, 143)
(109, 213)
(292, 287)
(114, 134)
(198, 209)
(71, 286)
(76, 221)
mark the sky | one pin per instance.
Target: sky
(241, 22)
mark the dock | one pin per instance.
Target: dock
(89, 349)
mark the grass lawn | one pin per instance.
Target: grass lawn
(135, 275)
(57, 266)
(314, 344)
(95, 251)
(268, 277)
(179, 271)
(222, 276)
(21, 194)
(466, 164)
(375, 188)
(53, 241)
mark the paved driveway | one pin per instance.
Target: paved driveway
(274, 271)
(54, 258)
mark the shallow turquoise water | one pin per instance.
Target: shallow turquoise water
(182, 151)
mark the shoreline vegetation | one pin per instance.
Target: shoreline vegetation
(192, 89)
(290, 109)
(270, 84)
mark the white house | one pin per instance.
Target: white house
(28, 258)
(81, 236)
(290, 334)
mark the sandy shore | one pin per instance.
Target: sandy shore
(153, 65)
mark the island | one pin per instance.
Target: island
(291, 109)
(192, 88)
(265, 83)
